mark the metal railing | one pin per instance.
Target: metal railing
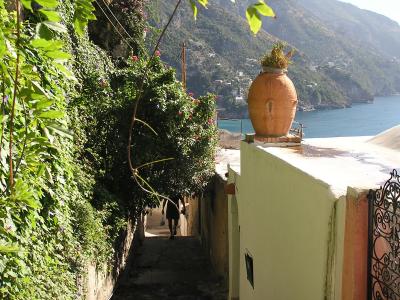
(384, 241)
(234, 120)
(296, 130)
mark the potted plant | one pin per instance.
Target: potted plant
(272, 98)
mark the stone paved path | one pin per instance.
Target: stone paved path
(170, 269)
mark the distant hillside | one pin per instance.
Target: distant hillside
(329, 71)
(377, 33)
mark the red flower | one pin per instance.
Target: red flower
(210, 121)
(191, 94)
(135, 58)
(180, 113)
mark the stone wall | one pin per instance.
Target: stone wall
(207, 217)
(214, 226)
(189, 223)
(100, 280)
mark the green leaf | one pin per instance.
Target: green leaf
(51, 15)
(52, 114)
(58, 55)
(40, 89)
(79, 26)
(194, 9)
(48, 3)
(263, 9)
(83, 13)
(63, 69)
(44, 32)
(9, 249)
(22, 193)
(3, 46)
(203, 2)
(47, 44)
(3, 118)
(254, 19)
(48, 174)
(254, 13)
(44, 104)
(55, 26)
(27, 4)
(61, 130)
(49, 136)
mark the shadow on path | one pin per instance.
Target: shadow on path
(170, 269)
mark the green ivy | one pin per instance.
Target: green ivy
(48, 229)
(36, 181)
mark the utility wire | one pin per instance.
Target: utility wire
(109, 9)
(115, 27)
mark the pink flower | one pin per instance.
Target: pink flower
(191, 94)
(157, 53)
(135, 58)
(180, 113)
(210, 121)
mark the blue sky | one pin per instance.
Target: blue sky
(390, 8)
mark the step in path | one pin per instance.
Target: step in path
(170, 269)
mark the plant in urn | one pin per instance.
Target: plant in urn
(272, 98)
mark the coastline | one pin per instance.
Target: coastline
(306, 107)
(360, 119)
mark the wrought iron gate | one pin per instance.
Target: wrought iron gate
(384, 241)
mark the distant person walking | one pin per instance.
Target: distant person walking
(173, 213)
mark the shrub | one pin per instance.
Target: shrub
(277, 58)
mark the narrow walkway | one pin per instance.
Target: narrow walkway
(170, 269)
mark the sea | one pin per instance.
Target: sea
(358, 120)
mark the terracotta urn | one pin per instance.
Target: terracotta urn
(272, 103)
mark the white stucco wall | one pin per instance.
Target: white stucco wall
(290, 205)
(286, 220)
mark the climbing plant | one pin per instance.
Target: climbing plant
(179, 134)
(254, 12)
(47, 226)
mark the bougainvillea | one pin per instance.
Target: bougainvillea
(181, 130)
